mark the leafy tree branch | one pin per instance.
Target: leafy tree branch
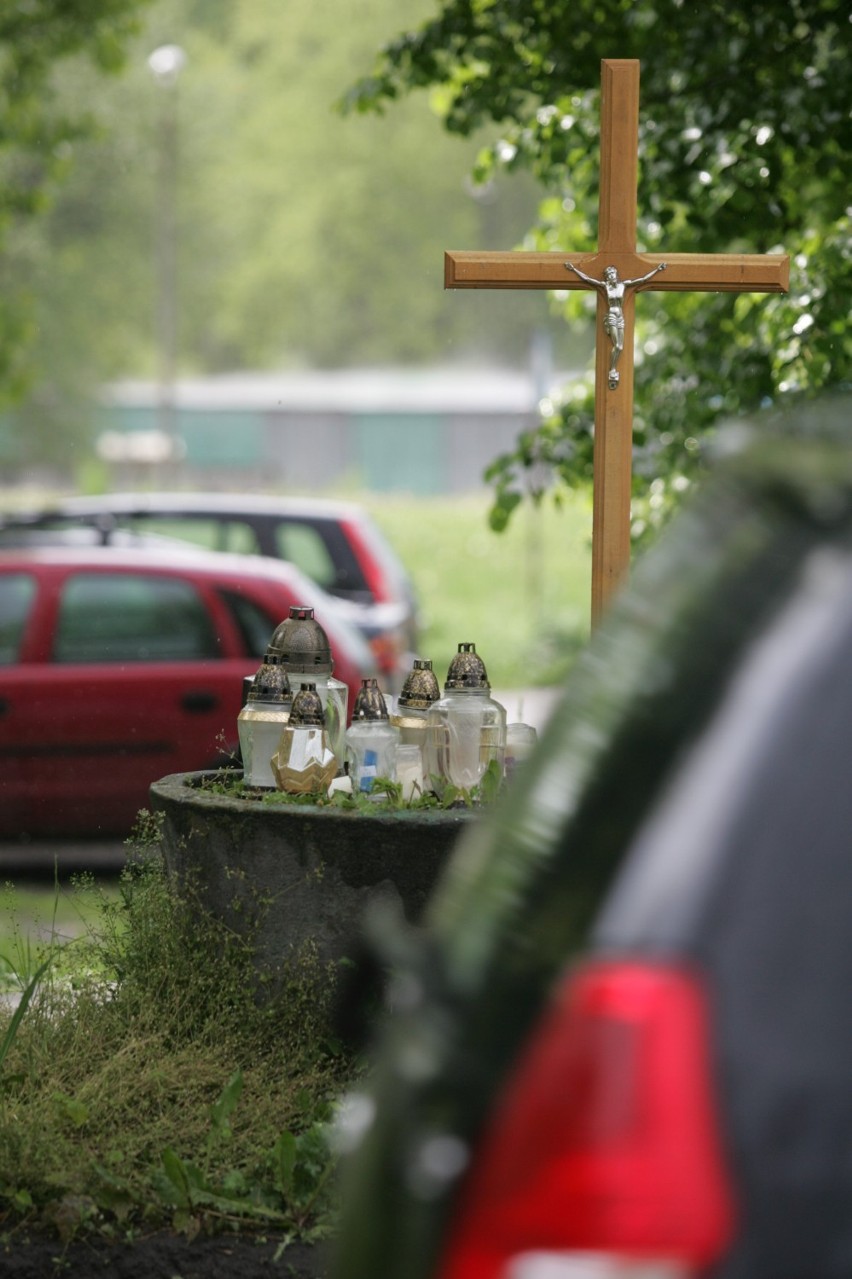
(744, 126)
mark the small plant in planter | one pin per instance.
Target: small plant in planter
(385, 795)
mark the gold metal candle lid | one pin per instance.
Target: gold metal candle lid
(307, 709)
(467, 670)
(420, 689)
(301, 643)
(270, 684)
(369, 703)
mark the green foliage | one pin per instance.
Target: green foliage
(522, 597)
(744, 128)
(484, 792)
(9, 1035)
(384, 797)
(144, 1084)
(303, 239)
(39, 130)
(34, 37)
(288, 1188)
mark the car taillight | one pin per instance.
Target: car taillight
(388, 649)
(603, 1154)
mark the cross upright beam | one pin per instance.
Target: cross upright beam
(617, 272)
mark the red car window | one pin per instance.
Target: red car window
(126, 617)
(255, 626)
(16, 596)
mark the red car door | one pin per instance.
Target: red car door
(126, 676)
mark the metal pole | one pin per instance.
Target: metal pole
(166, 64)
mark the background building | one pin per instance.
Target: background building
(418, 431)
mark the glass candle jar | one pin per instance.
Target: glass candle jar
(466, 728)
(262, 721)
(305, 653)
(409, 770)
(304, 763)
(419, 692)
(520, 740)
(371, 740)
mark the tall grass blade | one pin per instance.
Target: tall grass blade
(21, 1011)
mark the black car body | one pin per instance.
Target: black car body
(621, 1045)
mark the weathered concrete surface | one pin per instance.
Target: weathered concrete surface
(297, 873)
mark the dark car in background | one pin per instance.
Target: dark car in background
(336, 544)
(118, 666)
(620, 1045)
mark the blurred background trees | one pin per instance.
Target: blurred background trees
(304, 239)
(744, 145)
(41, 128)
(311, 239)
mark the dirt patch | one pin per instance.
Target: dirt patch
(162, 1256)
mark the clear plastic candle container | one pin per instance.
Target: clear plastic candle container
(304, 763)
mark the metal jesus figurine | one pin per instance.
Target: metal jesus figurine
(613, 322)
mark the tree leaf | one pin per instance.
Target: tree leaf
(223, 1108)
(284, 1163)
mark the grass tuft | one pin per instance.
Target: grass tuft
(145, 1084)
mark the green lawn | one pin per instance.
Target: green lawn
(522, 596)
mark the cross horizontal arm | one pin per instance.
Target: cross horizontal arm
(692, 272)
(472, 270)
(721, 272)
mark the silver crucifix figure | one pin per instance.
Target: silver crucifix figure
(614, 318)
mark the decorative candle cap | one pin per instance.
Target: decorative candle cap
(306, 710)
(420, 689)
(270, 684)
(370, 703)
(467, 670)
(301, 643)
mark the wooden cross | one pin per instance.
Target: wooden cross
(717, 272)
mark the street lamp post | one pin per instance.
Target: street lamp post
(166, 63)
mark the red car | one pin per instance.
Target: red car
(335, 544)
(120, 666)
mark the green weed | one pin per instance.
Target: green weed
(384, 797)
(286, 1188)
(144, 1083)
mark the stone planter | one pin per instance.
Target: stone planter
(297, 873)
